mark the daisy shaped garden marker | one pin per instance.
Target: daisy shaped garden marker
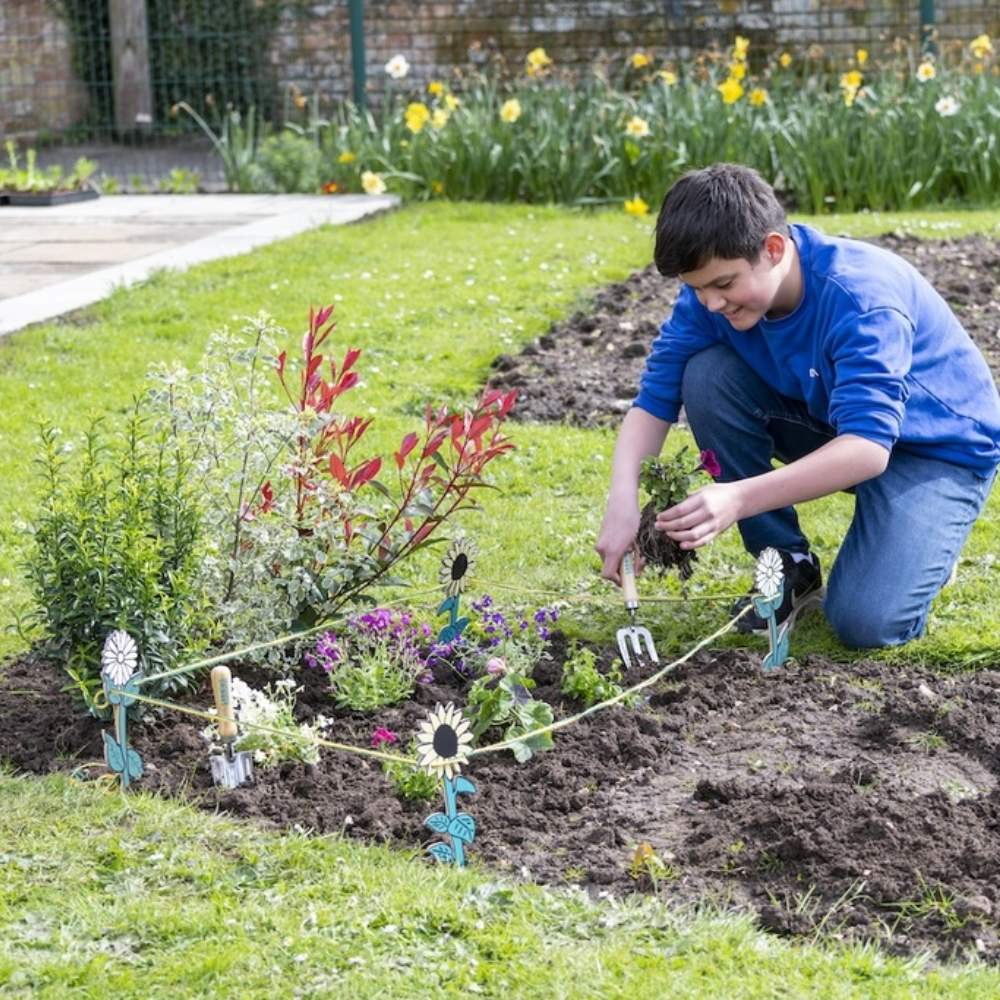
(443, 743)
(458, 562)
(119, 661)
(769, 579)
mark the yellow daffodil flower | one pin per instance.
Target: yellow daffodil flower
(862, 56)
(440, 118)
(451, 102)
(640, 60)
(372, 183)
(740, 47)
(637, 207)
(511, 111)
(758, 97)
(435, 88)
(731, 90)
(738, 70)
(538, 62)
(851, 81)
(347, 157)
(417, 116)
(785, 60)
(637, 128)
(981, 47)
(667, 77)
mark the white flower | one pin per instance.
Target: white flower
(769, 572)
(372, 183)
(947, 106)
(397, 67)
(119, 657)
(443, 741)
(926, 71)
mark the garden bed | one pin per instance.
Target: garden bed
(858, 801)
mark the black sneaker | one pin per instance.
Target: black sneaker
(803, 590)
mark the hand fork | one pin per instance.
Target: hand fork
(632, 638)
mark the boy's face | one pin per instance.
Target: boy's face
(743, 292)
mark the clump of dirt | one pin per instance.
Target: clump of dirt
(860, 801)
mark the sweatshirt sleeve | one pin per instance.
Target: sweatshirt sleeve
(685, 333)
(872, 354)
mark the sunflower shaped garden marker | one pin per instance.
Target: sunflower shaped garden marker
(443, 742)
(459, 560)
(118, 671)
(769, 579)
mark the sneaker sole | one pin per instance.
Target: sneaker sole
(813, 599)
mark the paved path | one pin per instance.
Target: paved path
(57, 259)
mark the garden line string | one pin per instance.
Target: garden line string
(600, 598)
(491, 748)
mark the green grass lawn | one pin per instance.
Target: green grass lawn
(139, 898)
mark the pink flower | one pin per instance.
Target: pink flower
(709, 464)
(496, 666)
(384, 736)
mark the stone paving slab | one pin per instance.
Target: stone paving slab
(60, 258)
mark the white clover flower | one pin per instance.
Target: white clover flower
(119, 657)
(769, 572)
(397, 67)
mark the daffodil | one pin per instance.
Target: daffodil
(538, 62)
(640, 60)
(737, 70)
(981, 47)
(435, 88)
(667, 77)
(451, 102)
(440, 118)
(443, 741)
(372, 183)
(758, 97)
(731, 90)
(347, 157)
(740, 47)
(862, 56)
(785, 60)
(637, 128)
(417, 116)
(397, 67)
(851, 80)
(637, 207)
(926, 71)
(947, 106)
(511, 111)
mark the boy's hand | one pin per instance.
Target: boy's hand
(617, 536)
(702, 516)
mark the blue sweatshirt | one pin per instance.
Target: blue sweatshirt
(872, 349)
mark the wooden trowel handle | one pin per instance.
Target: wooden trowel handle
(629, 590)
(222, 689)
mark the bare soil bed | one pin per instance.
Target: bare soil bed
(858, 802)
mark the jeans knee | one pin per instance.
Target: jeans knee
(860, 626)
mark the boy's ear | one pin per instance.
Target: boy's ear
(775, 246)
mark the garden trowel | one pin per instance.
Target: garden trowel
(633, 638)
(229, 769)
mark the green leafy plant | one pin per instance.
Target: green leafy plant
(236, 142)
(303, 525)
(375, 659)
(31, 179)
(582, 680)
(288, 163)
(407, 780)
(116, 544)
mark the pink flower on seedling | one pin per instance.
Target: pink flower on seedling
(709, 463)
(384, 737)
(496, 667)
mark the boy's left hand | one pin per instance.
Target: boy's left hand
(702, 516)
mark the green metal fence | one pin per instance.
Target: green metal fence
(105, 77)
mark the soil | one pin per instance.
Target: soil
(854, 802)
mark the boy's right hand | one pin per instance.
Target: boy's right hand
(616, 537)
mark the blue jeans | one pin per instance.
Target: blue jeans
(909, 525)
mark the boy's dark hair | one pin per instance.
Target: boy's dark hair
(722, 211)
